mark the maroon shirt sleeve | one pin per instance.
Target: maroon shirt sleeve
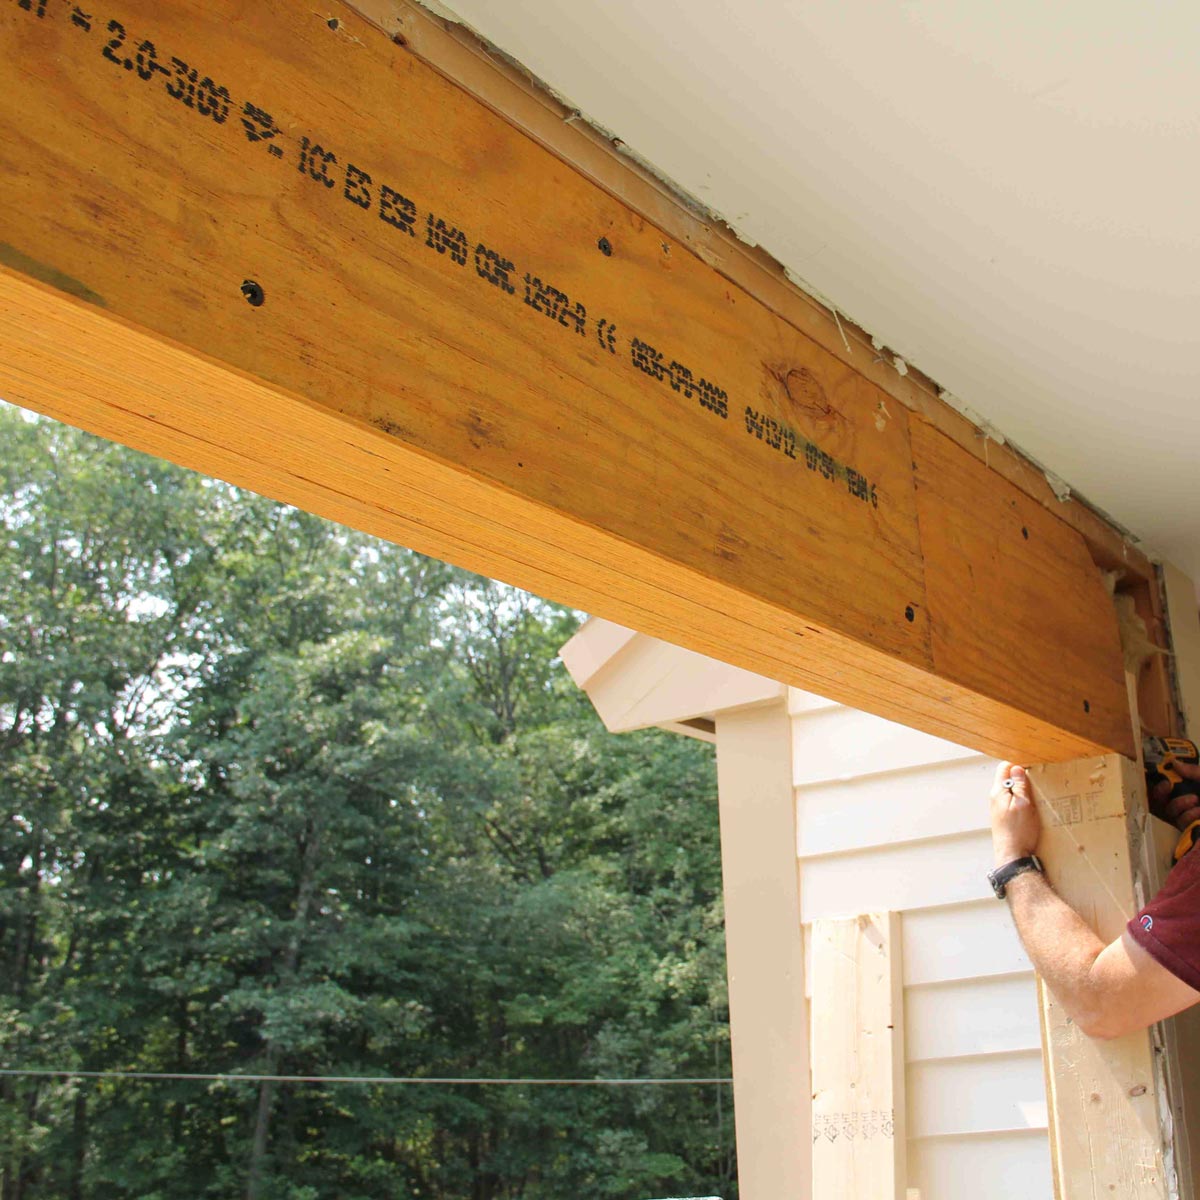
(1168, 928)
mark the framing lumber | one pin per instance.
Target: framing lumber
(1112, 1126)
(466, 346)
(858, 1125)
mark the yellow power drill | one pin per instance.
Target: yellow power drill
(1161, 756)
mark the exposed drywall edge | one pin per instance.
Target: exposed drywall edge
(1059, 486)
(985, 427)
(818, 297)
(441, 11)
(903, 363)
(574, 114)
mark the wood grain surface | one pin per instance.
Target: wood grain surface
(859, 1132)
(1106, 1104)
(410, 316)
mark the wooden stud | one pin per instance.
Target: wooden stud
(858, 1132)
(1110, 1128)
(427, 325)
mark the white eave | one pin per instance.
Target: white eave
(636, 682)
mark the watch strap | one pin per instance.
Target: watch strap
(1001, 877)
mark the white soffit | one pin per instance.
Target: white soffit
(1005, 195)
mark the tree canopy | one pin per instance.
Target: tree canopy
(282, 800)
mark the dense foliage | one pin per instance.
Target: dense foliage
(279, 799)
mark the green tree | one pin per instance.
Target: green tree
(281, 799)
(103, 598)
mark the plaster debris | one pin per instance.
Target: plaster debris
(1137, 646)
(440, 10)
(881, 349)
(812, 292)
(882, 417)
(986, 429)
(845, 339)
(1059, 486)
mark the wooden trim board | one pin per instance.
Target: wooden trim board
(465, 345)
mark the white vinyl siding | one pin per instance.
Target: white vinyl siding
(893, 820)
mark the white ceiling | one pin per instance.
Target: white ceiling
(1003, 194)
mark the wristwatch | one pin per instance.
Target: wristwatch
(1002, 876)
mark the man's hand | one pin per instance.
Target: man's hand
(1183, 810)
(1016, 825)
(1106, 990)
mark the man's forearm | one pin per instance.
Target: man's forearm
(1062, 947)
(1106, 990)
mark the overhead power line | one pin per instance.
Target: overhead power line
(390, 1080)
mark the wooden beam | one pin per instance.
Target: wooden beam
(764, 950)
(457, 53)
(858, 1126)
(1109, 1106)
(283, 250)
(461, 56)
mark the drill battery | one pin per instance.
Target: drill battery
(1161, 757)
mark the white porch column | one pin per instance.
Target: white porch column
(765, 953)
